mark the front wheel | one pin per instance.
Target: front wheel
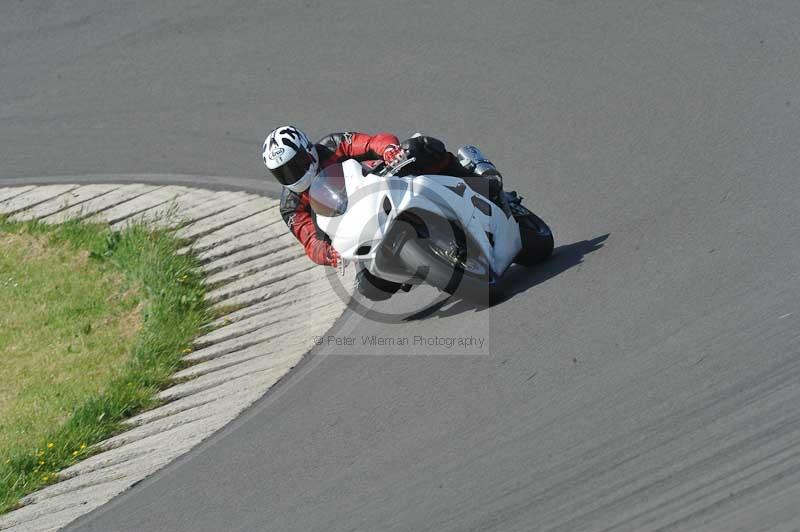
(537, 240)
(447, 266)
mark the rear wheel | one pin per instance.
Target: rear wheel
(537, 240)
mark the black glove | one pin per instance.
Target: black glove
(427, 150)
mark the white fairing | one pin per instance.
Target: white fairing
(365, 222)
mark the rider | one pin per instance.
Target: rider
(294, 161)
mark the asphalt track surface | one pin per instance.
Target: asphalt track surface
(644, 380)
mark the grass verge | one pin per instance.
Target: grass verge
(162, 292)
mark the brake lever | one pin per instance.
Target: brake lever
(394, 169)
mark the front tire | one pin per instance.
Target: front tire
(448, 275)
(375, 288)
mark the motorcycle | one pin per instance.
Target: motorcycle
(432, 229)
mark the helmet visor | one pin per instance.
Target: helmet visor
(294, 169)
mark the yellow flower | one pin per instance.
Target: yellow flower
(45, 478)
(51, 445)
(83, 446)
(74, 453)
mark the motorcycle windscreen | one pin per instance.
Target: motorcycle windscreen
(328, 194)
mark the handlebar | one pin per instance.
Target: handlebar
(386, 170)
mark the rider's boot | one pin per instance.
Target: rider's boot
(515, 205)
(475, 162)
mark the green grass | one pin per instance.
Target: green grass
(92, 325)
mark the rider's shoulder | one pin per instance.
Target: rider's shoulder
(333, 140)
(291, 200)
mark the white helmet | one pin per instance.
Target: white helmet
(291, 158)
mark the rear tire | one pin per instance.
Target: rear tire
(537, 240)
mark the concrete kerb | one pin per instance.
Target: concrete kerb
(253, 267)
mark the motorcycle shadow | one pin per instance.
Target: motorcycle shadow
(518, 279)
